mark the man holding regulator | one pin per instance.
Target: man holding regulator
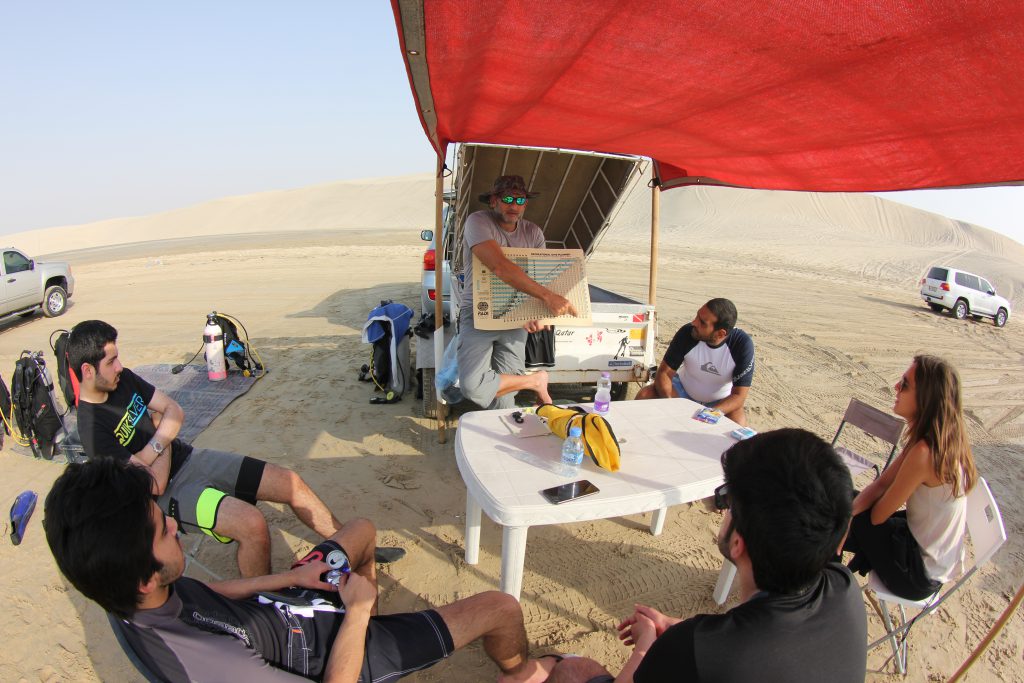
(491, 363)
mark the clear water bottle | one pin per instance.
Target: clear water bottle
(603, 397)
(572, 452)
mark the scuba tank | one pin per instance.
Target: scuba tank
(213, 340)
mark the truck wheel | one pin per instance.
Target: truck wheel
(1001, 316)
(935, 307)
(429, 394)
(960, 310)
(55, 301)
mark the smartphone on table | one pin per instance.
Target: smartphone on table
(567, 492)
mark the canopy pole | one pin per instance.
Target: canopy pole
(442, 407)
(652, 285)
(992, 633)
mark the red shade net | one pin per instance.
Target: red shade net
(795, 95)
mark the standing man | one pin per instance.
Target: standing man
(116, 546)
(787, 499)
(492, 363)
(120, 415)
(717, 360)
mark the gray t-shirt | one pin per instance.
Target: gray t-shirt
(482, 226)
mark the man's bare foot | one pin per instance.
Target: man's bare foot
(541, 386)
(534, 671)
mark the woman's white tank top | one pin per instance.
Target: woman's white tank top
(938, 522)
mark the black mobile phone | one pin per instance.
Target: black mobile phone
(577, 489)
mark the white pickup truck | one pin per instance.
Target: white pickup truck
(27, 285)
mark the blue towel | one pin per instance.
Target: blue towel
(399, 314)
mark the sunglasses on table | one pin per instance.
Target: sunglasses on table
(722, 497)
(509, 199)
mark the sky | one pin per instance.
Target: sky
(116, 109)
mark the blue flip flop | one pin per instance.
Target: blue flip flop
(21, 512)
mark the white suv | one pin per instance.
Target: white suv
(963, 294)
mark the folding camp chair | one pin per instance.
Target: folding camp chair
(874, 422)
(191, 553)
(985, 527)
(870, 420)
(125, 637)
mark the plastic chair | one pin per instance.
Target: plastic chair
(124, 634)
(875, 422)
(985, 527)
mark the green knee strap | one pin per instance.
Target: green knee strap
(206, 512)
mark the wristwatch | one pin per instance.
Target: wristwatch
(157, 447)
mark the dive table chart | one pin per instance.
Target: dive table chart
(499, 306)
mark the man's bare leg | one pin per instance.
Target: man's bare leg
(245, 523)
(648, 391)
(538, 382)
(577, 670)
(739, 416)
(281, 485)
(497, 618)
(359, 539)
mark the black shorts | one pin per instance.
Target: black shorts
(889, 550)
(398, 644)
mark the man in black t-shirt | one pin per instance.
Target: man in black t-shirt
(787, 500)
(115, 545)
(120, 415)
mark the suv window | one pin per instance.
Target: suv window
(937, 273)
(15, 262)
(986, 287)
(968, 280)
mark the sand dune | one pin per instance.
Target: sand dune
(856, 234)
(373, 204)
(711, 220)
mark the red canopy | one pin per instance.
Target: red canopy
(793, 95)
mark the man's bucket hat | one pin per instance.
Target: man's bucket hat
(505, 184)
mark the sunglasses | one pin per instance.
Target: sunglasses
(722, 497)
(509, 199)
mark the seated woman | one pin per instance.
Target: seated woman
(915, 551)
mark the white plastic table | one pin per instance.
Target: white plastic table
(668, 458)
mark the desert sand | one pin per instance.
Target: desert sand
(825, 284)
